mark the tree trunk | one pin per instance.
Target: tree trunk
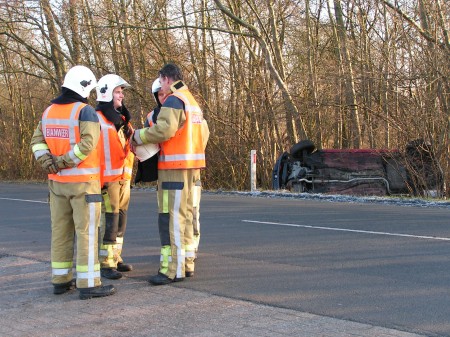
(312, 79)
(56, 57)
(352, 104)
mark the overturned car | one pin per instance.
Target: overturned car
(359, 171)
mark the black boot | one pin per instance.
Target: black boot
(161, 279)
(61, 288)
(100, 291)
(123, 267)
(110, 273)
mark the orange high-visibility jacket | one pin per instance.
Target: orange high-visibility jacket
(60, 126)
(150, 119)
(117, 159)
(185, 150)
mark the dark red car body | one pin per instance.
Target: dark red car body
(359, 171)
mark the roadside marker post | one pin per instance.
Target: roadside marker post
(253, 170)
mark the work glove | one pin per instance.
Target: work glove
(48, 163)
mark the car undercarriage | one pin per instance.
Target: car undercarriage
(415, 171)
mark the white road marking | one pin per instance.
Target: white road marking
(349, 230)
(39, 202)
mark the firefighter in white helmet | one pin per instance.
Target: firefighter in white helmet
(179, 129)
(118, 161)
(65, 144)
(147, 172)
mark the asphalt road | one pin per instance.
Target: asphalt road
(383, 265)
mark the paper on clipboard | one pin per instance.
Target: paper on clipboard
(145, 151)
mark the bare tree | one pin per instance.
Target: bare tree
(347, 66)
(55, 47)
(292, 113)
(266, 73)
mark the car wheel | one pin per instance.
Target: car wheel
(304, 146)
(279, 172)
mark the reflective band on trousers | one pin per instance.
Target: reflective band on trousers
(61, 268)
(61, 272)
(119, 243)
(91, 271)
(177, 233)
(91, 275)
(165, 259)
(165, 206)
(107, 202)
(190, 254)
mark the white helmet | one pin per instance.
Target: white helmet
(106, 86)
(156, 86)
(81, 80)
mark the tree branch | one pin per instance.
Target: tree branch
(426, 35)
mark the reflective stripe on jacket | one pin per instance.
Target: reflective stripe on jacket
(60, 126)
(128, 166)
(185, 150)
(115, 152)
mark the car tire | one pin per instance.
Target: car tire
(298, 150)
(279, 173)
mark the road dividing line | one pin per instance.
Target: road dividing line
(349, 230)
(39, 202)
